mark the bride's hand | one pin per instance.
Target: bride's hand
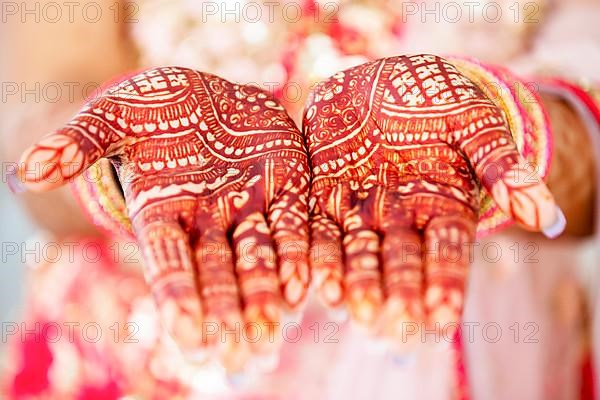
(399, 148)
(215, 180)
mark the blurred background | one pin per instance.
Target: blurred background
(54, 55)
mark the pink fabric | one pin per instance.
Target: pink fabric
(560, 364)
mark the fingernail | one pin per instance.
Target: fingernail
(266, 363)
(403, 360)
(292, 317)
(196, 356)
(376, 346)
(14, 183)
(441, 346)
(237, 379)
(557, 227)
(339, 315)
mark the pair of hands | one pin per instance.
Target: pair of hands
(232, 223)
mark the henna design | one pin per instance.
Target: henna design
(399, 148)
(215, 180)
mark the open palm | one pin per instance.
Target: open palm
(399, 148)
(215, 180)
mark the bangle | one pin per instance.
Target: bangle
(99, 194)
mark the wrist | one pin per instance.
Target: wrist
(571, 177)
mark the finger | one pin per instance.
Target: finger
(402, 284)
(326, 260)
(66, 153)
(168, 269)
(522, 194)
(258, 281)
(362, 278)
(288, 221)
(513, 182)
(222, 330)
(447, 248)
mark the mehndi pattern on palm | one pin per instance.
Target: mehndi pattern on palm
(399, 149)
(215, 180)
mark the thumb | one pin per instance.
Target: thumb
(66, 153)
(513, 182)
